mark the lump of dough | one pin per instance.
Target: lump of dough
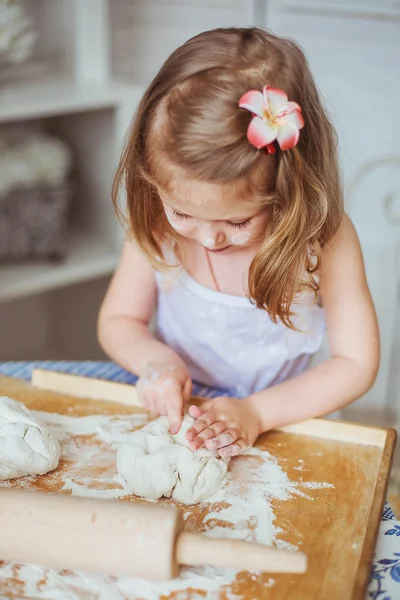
(26, 447)
(153, 463)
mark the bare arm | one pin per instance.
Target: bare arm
(353, 341)
(123, 325)
(124, 334)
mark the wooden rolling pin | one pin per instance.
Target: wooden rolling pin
(120, 538)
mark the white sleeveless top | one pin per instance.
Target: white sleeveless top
(228, 343)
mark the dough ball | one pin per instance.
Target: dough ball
(26, 447)
(153, 463)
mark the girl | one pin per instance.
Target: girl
(238, 235)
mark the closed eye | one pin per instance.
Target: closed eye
(180, 215)
(241, 225)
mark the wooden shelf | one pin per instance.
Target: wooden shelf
(34, 100)
(89, 257)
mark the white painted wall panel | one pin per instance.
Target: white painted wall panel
(146, 32)
(380, 9)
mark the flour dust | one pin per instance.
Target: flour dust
(242, 509)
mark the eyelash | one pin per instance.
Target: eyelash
(241, 225)
(180, 216)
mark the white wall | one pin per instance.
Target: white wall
(147, 31)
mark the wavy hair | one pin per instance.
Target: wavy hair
(189, 118)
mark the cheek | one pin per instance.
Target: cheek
(182, 226)
(240, 238)
(250, 234)
(176, 225)
(253, 233)
(187, 228)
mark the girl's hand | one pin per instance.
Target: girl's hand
(163, 388)
(224, 424)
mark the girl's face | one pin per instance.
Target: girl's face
(211, 215)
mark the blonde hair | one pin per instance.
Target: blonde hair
(189, 118)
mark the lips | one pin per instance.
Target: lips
(217, 249)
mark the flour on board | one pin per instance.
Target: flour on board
(242, 509)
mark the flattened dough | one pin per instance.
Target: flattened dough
(26, 447)
(153, 463)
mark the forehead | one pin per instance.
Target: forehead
(208, 201)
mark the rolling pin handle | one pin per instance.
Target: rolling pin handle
(198, 549)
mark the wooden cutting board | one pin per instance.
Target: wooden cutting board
(337, 529)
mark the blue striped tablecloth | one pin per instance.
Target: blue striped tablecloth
(385, 575)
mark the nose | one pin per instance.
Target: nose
(210, 236)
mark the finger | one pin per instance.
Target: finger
(160, 405)
(154, 412)
(197, 411)
(229, 436)
(163, 391)
(174, 414)
(207, 434)
(149, 403)
(152, 408)
(201, 423)
(220, 427)
(187, 390)
(232, 449)
(174, 408)
(147, 397)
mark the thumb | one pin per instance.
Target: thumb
(197, 411)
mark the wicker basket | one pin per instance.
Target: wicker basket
(33, 223)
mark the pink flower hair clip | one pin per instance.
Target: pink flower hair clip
(274, 118)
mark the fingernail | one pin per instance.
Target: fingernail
(211, 443)
(174, 425)
(230, 451)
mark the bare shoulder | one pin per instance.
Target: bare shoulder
(343, 253)
(133, 256)
(345, 236)
(132, 291)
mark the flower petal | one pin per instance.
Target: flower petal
(286, 108)
(260, 133)
(294, 105)
(288, 136)
(274, 98)
(254, 102)
(294, 118)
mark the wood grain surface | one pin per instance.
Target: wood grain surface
(336, 527)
